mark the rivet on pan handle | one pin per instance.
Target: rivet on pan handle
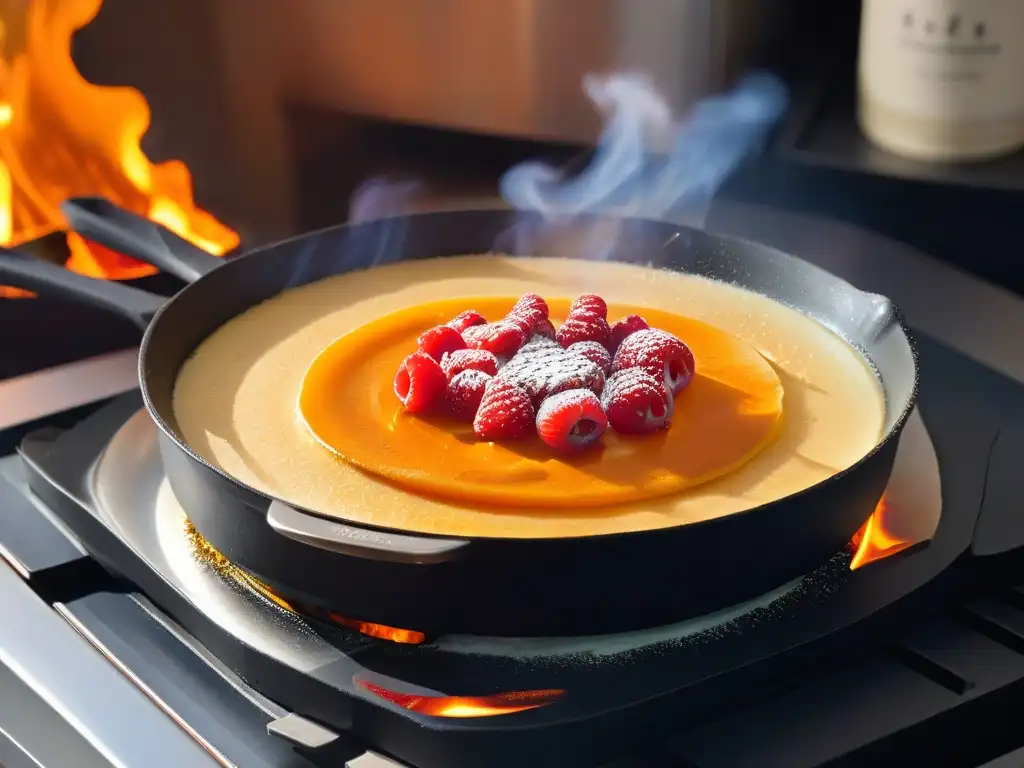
(360, 542)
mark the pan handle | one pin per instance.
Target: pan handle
(360, 542)
(22, 271)
(99, 220)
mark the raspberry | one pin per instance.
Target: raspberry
(571, 420)
(592, 303)
(628, 325)
(583, 326)
(636, 402)
(526, 320)
(505, 412)
(466, 319)
(660, 354)
(531, 302)
(420, 383)
(469, 360)
(542, 368)
(465, 391)
(539, 341)
(545, 329)
(595, 353)
(500, 339)
(439, 341)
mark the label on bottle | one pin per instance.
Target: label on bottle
(949, 60)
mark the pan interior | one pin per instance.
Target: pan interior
(235, 397)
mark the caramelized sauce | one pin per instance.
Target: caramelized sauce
(725, 417)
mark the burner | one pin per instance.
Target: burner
(129, 478)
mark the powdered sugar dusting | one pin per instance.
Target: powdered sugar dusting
(595, 353)
(540, 340)
(542, 368)
(470, 378)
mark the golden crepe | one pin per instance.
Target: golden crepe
(236, 397)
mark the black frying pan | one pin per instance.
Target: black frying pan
(492, 586)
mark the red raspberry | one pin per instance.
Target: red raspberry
(583, 326)
(592, 303)
(595, 353)
(505, 413)
(440, 341)
(542, 368)
(660, 354)
(466, 319)
(526, 320)
(636, 403)
(545, 329)
(500, 339)
(571, 420)
(465, 390)
(420, 383)
(531, 302)
(469, 360)
(628, 325)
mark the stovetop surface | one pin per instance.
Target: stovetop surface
(958, 670)
(612, 673)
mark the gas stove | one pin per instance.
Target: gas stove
(845, 666)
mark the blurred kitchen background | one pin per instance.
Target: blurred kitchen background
(281, 109)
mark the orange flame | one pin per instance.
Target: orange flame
(380, 631)
(466, 706)
(874, 541)
(61, 137)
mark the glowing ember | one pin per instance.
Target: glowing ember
(466, 706)
(395, 635)
(875, 541)
(61, 137)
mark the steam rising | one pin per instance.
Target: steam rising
(379, 198)
(378, 205)
(648, 164)
(629, 176)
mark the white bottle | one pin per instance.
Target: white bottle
(942, 79)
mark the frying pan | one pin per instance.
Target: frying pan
(488, 586)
